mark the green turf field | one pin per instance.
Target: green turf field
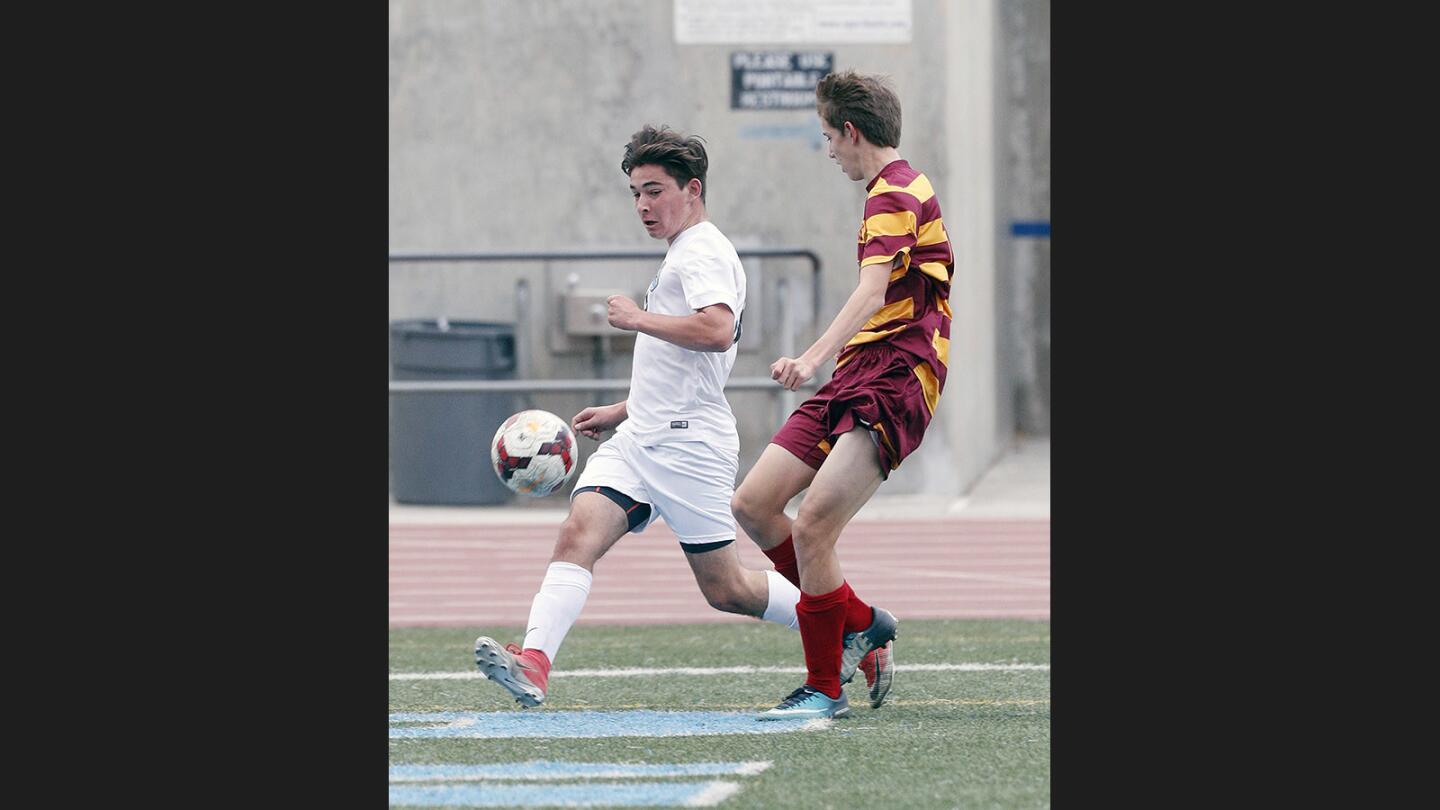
(943, 738)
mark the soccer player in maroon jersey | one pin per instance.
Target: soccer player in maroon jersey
(890, 342)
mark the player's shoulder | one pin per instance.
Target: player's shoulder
(705, 242)
(899, 186)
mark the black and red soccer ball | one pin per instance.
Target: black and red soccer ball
(533, 453)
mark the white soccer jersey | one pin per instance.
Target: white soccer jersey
(676, 394)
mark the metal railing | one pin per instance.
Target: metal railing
(787, 333)
(602, 255)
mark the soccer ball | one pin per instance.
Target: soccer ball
(533, 452)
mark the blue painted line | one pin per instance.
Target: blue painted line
(542, 769)
(806, 131)
(644, 723)
(1041, 228)
(810, 133)
(662, 794)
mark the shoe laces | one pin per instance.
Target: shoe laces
(797, 696)
(513, 649)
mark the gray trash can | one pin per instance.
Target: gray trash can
(440, 443)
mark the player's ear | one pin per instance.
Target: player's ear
(693, 187)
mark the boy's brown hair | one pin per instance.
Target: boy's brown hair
(867, 101)
(680, 156)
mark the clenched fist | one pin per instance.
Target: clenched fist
(791, 372)
(624, 313)
(597, 419)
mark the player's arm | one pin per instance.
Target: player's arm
(597, 419)
(864, 302)
(709, 329)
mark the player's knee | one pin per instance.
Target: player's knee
(811, 534)
(725, 600)
(722, 594)
(749, 506)
(575, 544)
(740, 506)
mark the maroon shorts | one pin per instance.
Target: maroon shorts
(876, 389)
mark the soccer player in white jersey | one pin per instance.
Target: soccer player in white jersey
(675, 452)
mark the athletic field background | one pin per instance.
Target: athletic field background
(653, 693)
(967, 724)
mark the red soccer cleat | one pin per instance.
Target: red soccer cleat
(523, 673)
(879, 669)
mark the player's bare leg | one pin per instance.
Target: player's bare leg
(594, 524)
(759, 508)
(729, 586)
(846, 480)
(843, 484)
(759, 502)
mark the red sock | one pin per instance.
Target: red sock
(822, 624)
(783, 556)
(857, 613)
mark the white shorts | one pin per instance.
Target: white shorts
(687, 483)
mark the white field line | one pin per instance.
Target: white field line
(630, 672)
(750, 768)
(713, 794)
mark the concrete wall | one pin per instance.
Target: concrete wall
(507, 124)
(1025, 259)
(969, 407)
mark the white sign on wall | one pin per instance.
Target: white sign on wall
(720, 22)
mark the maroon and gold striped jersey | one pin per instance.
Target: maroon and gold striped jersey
(902, 218)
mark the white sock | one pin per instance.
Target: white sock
(783, 596)
(556, 607)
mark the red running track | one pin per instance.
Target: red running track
(454, 575)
